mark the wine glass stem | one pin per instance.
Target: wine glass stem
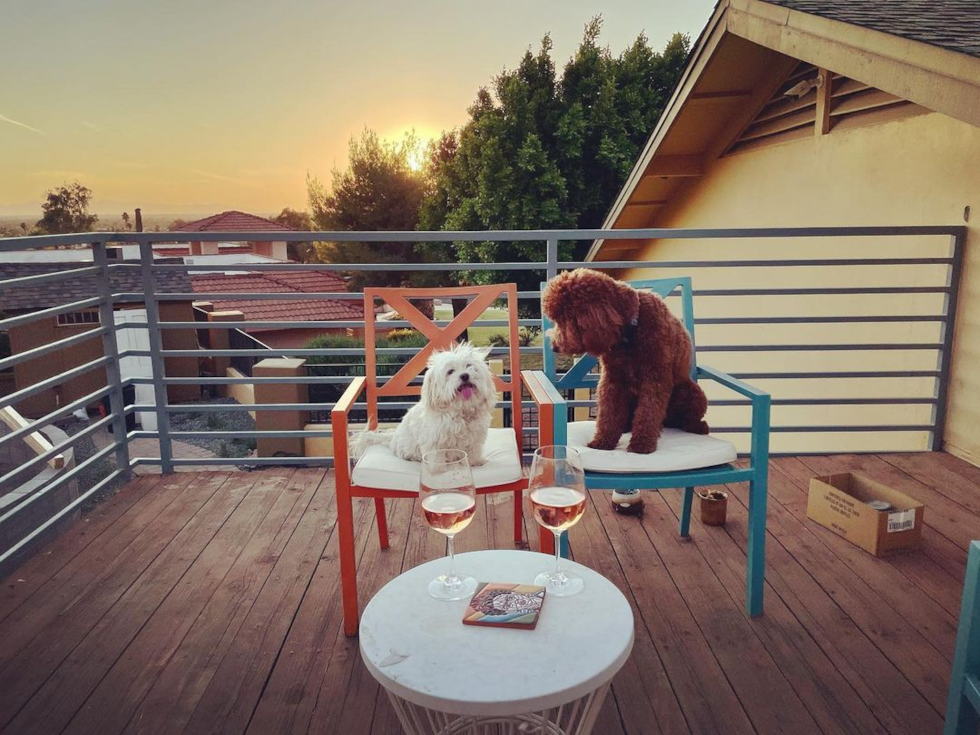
(451, 579)
(557, 555)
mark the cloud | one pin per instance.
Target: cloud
(91, 126)
(4, 118)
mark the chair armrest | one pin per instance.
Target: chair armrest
(749, 391)
(543, 393)
(349, 398)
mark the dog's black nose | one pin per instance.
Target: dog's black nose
(554, 347)
(465, 377)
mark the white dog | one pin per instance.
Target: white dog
(458, 396)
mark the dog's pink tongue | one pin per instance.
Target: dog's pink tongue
(467, 391)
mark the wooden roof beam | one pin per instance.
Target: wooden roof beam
(675, 166)
(722, 96)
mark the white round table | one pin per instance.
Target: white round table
(445, 677)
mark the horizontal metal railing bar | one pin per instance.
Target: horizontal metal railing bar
(844, 291)
(258, 461)
(858, 346)
(836, 374)
(221, 407)
(273, 295)
(345, 324)
(396, 267)
(16, 321)
(901, 318)
(55, 451)
(13, 398)
(45, 349)
(56, 414)
(832, 429)
(302, 352)
(28, 242)
(58, 481)
(103, 483)
(270, 434)
(22, 281)
(774, 263)
(534, 235)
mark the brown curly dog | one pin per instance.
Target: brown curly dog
(644, 353)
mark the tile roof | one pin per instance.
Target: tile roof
(950, 24)
(76, 288)
(282, 282)
(233, 221)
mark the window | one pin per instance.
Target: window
(78, 317)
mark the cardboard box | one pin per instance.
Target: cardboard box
(840, 502)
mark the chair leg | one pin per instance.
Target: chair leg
(686, 512)
(961, 717)
(546, 540)
(379, 512)
(348, 560)
(755, 575)
(518, 517)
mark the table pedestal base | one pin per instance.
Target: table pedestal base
(574, 718)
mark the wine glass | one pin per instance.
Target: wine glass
(448, 500)
(556, 490)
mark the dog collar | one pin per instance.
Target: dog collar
(629, 332)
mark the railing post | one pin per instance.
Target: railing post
(156, 357)
(117, 401)
(552, 258)
(949, 324)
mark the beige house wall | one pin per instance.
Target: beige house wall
(922, 170)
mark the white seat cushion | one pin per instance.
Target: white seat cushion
(380, 468)
(676, 451)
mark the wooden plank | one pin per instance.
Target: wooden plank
(35, 440)
(642, 686)
(27, 579)
(766, 696)
(944, 473)
(172, 698)
(200, 608)
(84, 591)
(893, 699)
(670, 166)
(686, 654)
(290, 625)
(822, 123)
(910, 653)
(823, 688)
(78, 673)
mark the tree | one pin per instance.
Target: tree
(177, 225)
(542, 152)
(66, 210)
(294, 219)
(379, 190)
(126, 222)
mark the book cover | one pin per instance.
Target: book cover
(502, 605)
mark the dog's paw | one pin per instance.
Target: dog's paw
(603, 443)
(642, 446)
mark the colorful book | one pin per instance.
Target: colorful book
(502, 605)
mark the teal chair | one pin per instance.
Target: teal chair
(963, 702)
(681, 460)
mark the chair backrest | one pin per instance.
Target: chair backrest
(439, 338)
(580, 374)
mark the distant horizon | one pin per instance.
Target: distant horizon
(167, 114)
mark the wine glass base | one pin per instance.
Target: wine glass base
(441, 591)
(569, 584)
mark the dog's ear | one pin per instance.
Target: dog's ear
(482, 352)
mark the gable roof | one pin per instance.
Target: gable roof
(747, 52)
(949, 24)
(233, 221)
(282, 282)
(64, 291)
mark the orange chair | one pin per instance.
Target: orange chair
(379, 474)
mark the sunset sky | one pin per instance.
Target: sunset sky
(196, 106)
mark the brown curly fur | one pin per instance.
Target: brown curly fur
(645, 383)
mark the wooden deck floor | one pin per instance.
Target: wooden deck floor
(209, 602)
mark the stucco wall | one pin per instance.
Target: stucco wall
(917, 171)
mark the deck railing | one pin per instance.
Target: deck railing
(894, 291)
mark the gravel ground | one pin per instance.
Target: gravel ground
(217, 422)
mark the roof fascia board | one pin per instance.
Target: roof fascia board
(707, 43)
(936, 78)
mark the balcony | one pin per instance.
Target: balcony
(208, 599)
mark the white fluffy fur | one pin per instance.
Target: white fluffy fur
(444, 418)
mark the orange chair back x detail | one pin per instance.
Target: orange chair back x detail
(380, 476)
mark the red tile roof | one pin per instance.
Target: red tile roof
(233, 221)
(282, 282)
